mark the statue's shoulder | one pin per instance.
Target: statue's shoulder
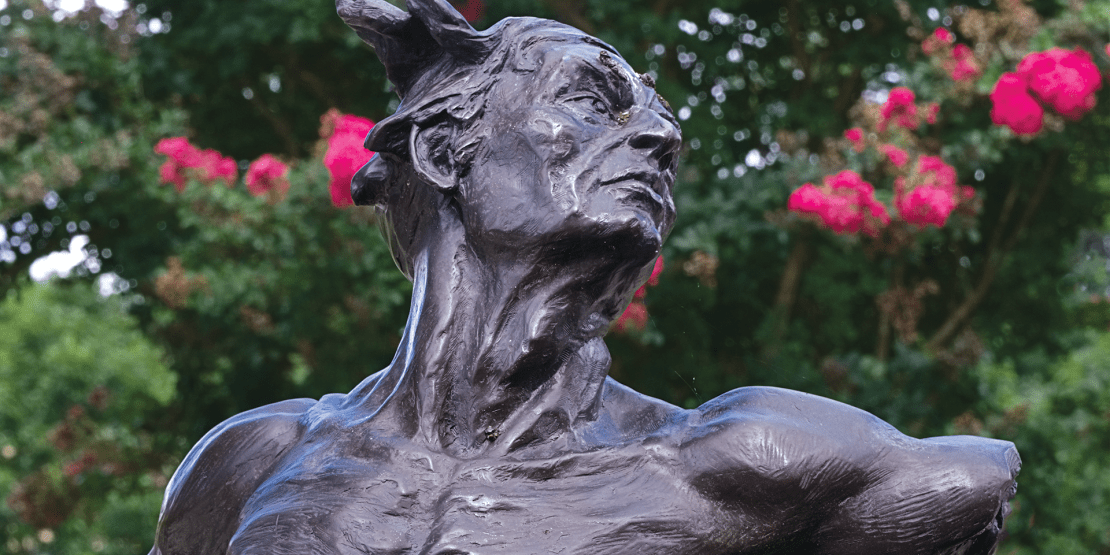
(201, 507)
(785, 432)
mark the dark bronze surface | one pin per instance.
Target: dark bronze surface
(525, 185)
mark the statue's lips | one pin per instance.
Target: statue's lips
(640, 187)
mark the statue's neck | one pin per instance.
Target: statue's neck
(497, 354)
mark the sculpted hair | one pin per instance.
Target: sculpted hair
(444, 88)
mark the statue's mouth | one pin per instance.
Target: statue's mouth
(643, 188)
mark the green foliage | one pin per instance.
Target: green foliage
(257, 299)
(1058, 412)
(81, 392)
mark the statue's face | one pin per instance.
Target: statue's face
(580, 148)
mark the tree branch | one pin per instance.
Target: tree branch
(996, 255)
(788, 291)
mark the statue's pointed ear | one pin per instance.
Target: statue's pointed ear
(450, 29)
(409, 43)
(431, 149)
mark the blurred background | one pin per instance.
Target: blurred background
(954, 282)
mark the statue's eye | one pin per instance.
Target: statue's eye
(593, 103)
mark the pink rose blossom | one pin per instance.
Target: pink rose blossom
(215, 166)
(206, 165)
(934, 196)
(899, 108)
(897, 156)
(939, 39)
(346, 155)
(963, 65)
(1014, 107)
(171, 172)
(936, 172)
(267, 174)
(1066, 80)
(926, 205)
(846, 204)
(855, 135)
(178, 149)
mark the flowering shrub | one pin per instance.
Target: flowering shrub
(855, 135)
(962, 66)
(267, 174)
(897, 156)
(900, 109)
(939, 40)
(345, 153)
(931, 195)
(1065, 80)
(186, 160)
(845, 204)
(1014, 107)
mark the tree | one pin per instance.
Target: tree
(270, 289)
(83, 400)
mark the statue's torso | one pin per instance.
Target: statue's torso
(754, 471)
(398, 497)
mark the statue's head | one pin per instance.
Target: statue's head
(531, 135)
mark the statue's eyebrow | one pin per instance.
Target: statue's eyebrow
(618, 80)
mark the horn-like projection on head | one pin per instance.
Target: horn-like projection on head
(410, 43)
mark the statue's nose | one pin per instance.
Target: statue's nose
(657, 135)
(368, 183)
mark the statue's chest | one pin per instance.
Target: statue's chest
(628, 500)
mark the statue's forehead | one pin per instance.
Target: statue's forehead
(571, 61)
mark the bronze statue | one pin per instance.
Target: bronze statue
(525, 184)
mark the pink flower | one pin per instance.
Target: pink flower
(900, 109)
(1014, 107)
(934, 196)
(925, 205)
(267, 174)
(206, 165)
(1066, 80)
(855, 135)
(178, 149)
(935, 172)
(635, 316)
(846, 204)
(180, 155)
(897, 156)
(214, 166)
(963, 66)
(939, 39)
(170, 172)
(346, 155)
